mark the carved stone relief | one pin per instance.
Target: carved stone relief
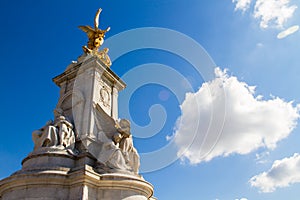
(105, 96)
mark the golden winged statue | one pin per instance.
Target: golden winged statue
(95, 35)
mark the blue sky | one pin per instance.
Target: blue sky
(250, 151)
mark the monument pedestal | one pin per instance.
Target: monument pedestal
(75, 184)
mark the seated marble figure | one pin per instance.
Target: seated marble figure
(117, 151)
(57, 134)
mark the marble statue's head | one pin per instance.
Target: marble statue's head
(124, 123)
(125, 126)
(62, 118)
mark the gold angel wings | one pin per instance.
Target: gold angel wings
(95, 35)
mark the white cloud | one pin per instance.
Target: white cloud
(261, 157)
(224, 117)
(273, 12)
(241, 4)
(288, 32)
(283, 173)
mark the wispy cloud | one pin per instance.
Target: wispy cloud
(261, 157)
(270, 13)
(288, 32)
(225, 117)
(242, 4)
(283, 173)
(273, 12)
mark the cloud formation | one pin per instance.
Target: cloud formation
(283, 173)
(241, 4)
(261, 157)
(273, 12)
(270, 13)
(224, 117)
(287, 32)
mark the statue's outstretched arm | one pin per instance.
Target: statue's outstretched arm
(96, 20)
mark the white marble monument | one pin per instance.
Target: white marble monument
(85, 152)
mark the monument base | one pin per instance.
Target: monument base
(55, 174)
(81, 184)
